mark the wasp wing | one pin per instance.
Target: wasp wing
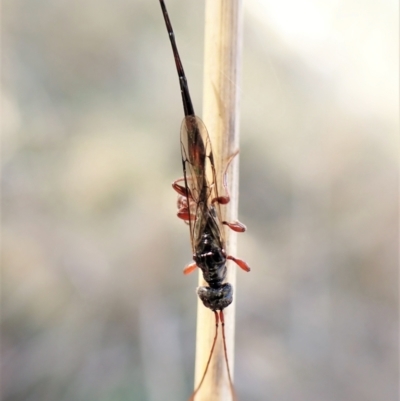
(200, 179)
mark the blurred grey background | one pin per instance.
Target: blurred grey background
(94, 303)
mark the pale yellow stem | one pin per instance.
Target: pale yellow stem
(222, 61)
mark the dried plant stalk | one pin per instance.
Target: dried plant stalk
(222, 61)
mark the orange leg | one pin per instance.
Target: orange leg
(182, 190)
(241, 263)
(223, 200)
(191, 267)
(183, 209)
(236, 226)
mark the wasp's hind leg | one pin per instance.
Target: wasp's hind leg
(223, 200)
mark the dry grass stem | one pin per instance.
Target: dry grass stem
(222, 60)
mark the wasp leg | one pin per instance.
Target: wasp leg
(191, 267)
(182, 190)
(183, 209)
(185, 215)
(223, 200)
(236, 226)
(241, 263)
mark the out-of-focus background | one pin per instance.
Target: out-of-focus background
(94, 303)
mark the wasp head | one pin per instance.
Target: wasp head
(216, 298)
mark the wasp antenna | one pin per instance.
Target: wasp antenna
(209, 358)
(221, 315)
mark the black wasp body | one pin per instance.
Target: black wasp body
(199, 206)
(210, 257)
(199, 201)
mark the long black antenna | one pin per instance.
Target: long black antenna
(187, 101)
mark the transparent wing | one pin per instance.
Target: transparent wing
(200, 179)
